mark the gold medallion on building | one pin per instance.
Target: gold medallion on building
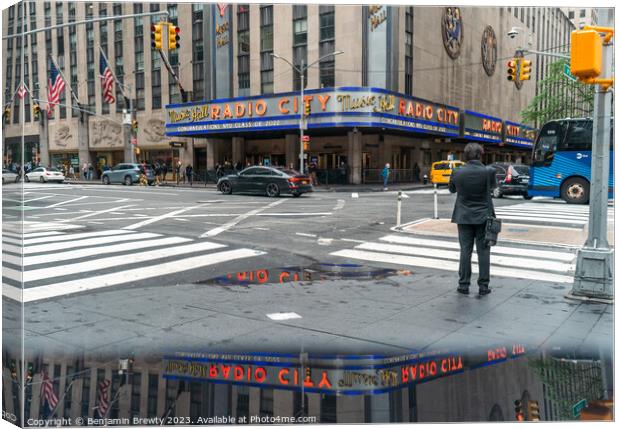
(489, 50)
(452, 31)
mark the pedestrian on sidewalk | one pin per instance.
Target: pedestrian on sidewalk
(385, 174)
(91, 171)
(189, 173)
(85, 170)
(472, 184)
(416, 172)
(71, 172)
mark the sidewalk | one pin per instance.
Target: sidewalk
(320, 188)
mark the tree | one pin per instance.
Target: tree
(559, 97)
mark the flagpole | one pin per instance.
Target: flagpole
(111, 71)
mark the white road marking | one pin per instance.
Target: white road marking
(65, 202)
(412, 241)
(98, 213)
(43, 234)
(303, 234)
(12, 292)
(51, 247)
(93, 251)
(75, 236)
(113, 261)
(216, 231)
(339, 205)
(455, 255)
(158, 218)
(283, 316)
(450, 265)
(134, 275)
(355, 195)
(39, 198)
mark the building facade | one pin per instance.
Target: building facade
(450, 56)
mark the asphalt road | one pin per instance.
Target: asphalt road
(112, 269)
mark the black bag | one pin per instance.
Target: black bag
(493, 225)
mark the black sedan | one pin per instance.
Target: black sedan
(266, 180)
(512, 179)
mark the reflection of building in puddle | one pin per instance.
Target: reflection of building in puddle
(260, 387)
(315, 272)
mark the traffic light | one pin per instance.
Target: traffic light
(137, 151)
(525, 69)
(306, 146)
(533, 411)
(512, 70)
(307, 109)
(7, 114)
(36, 111)
(13, 368)
(156, 36)
(586, 54)
(519, 414)
(29, 372)
(134, 126)
(173, 37)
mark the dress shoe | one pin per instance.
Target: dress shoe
(484, 291)
(464, 291)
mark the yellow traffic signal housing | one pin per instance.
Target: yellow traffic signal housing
(512, 70)
(173, 37)
(306, 145)
(137, 151)
(36, 110)
(7, 114)
(156, 36)
(525, 69)
(134, 125)
(533, 411)
(586, 54)
(307, 109)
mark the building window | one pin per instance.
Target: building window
(326, 46)
(409, 51)
(140, 104)
(266, 402)
(243, 51)
(300, 40)
(172, 388)
(571, 14)
(136, 384)
(266, 49)
(85, 393)
(243, 401)
(156, 88)
(328, 409)
(582, 13)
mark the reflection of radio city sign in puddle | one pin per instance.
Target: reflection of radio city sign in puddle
(303, 274)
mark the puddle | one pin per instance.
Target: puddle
(310, 273)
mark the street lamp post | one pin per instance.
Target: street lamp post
(302, 121)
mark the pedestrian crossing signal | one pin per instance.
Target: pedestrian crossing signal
(533, 411)
(156, 36)
(525, 68)
(519, 414)
(173, 37)
(512, 70)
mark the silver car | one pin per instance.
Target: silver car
(43, 174)
(127, 174)
(9, 177)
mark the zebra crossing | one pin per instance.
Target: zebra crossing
(554, 266)
(59, 262)
(538, 213)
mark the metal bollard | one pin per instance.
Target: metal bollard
(435, 216)
(398, 205)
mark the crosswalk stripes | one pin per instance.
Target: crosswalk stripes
(70, 262)
(567, 215)
(515, 262)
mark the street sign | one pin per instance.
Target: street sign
(177, 144)
(578, 407)
(568, 74)
(305, 139)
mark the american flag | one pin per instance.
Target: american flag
(55, 85)
(103, 401)
(21, 92)
(47, 391)
(107, 80)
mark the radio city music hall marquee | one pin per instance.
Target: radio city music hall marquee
(359, 107)
(352, 375)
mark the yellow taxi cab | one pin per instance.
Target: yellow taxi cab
(441, 171)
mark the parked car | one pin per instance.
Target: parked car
(127, 174)
(271, 181)
(512, 179)
(9, 177)
(442, 170)
(43, 174)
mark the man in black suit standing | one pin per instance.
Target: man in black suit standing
(472, 184)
